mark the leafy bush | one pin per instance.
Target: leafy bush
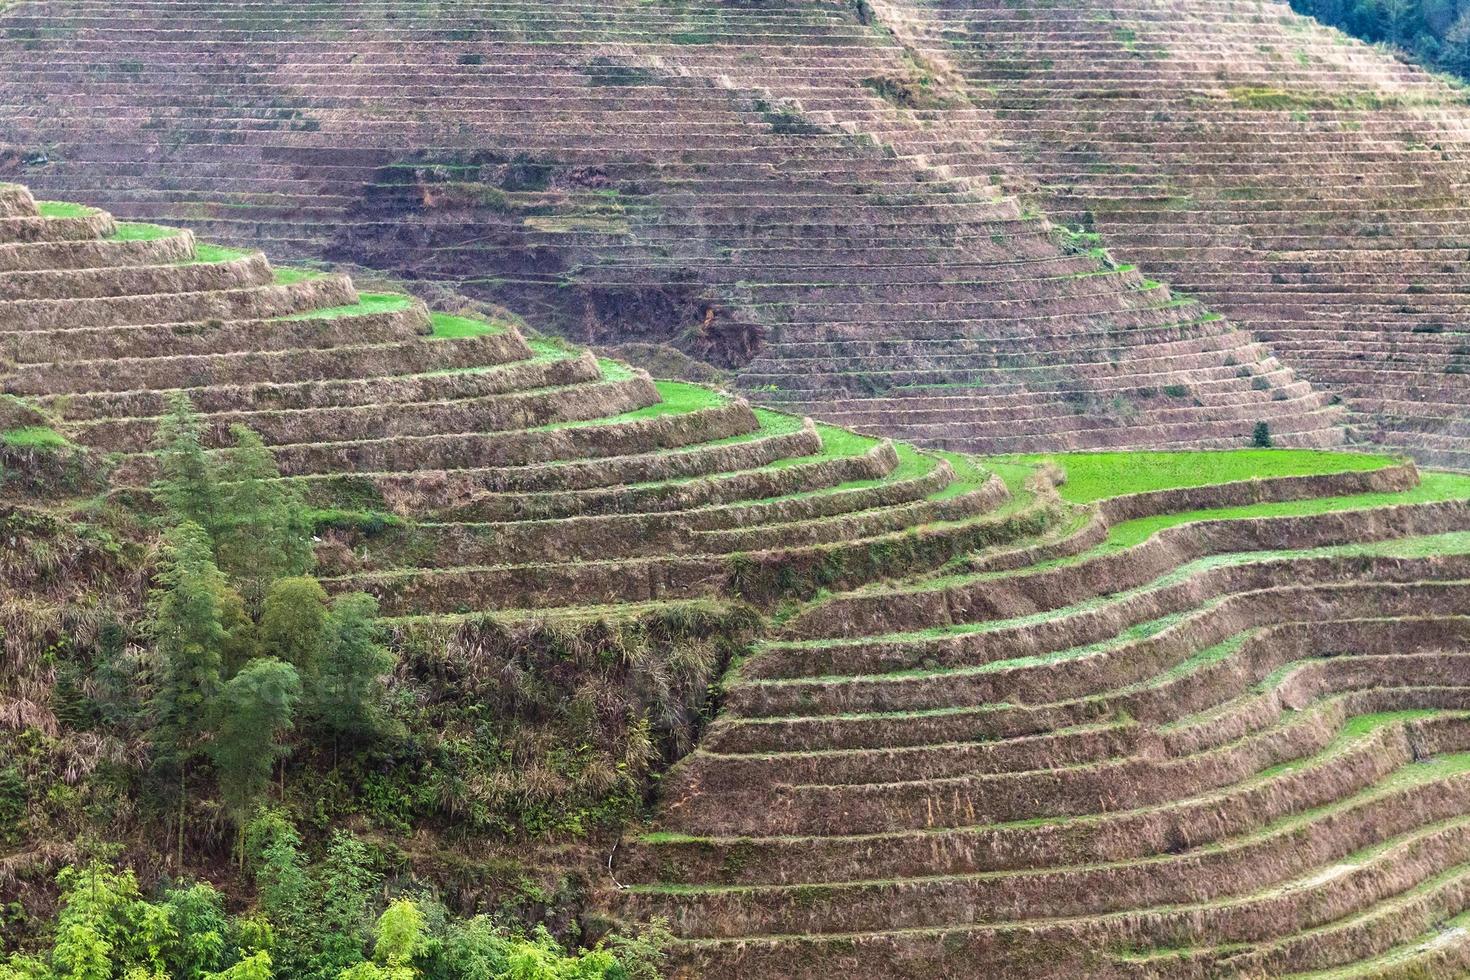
(308, 924)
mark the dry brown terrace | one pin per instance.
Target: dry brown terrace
(698, 161)
(1306, 185)
(1236, 747)
(530, 474)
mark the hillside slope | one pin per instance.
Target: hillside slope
(752, 183)
(542, 476)
(1112, 714)
(619, 529)
(1203, 728)
(1305, 184)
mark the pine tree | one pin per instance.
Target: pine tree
(1261, 436)
(252, 713)
(262, 531)
(349, 696)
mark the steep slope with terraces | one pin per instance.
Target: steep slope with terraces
(1198, 729)
(491, 489)
(552, 477)
(1305, 184)
(762, 185)
(1141, 714)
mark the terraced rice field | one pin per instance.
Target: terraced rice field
(539, 476)
(1307, 185)
(1103, 714)
(786, 189)
(1214, 721)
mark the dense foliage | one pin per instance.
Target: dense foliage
(224, 679)
(248, 648)
(311, 923)
(1436, 32)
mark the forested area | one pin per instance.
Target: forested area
(1436, 32)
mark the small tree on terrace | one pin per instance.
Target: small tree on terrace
(1261, 437)
(293, 626)
(186, 481)
(262, 532)
(256, 522)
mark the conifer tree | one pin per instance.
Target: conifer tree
(105, 929)
(186, 483)
(401, 935)
(256, 522)
(189, 638)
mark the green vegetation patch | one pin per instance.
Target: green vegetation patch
(675, 398)
(1425, 546)
(614, 370)
(1266, 97)
(138, 232)
(367, 304)
(290, 276)
(968, 476)
(1432, 488)
(911, 466)
(836, 443)
(205, 252)
(63, 209)
(449, 326)
(1097, 476)
(34, 437)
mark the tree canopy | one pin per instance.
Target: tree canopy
(1436, 32)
